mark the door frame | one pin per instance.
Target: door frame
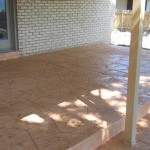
(11, 26)
(6, 42)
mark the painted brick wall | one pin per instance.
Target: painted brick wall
(55, 24)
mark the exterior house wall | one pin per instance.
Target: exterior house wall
(45, 25)
(121, 5)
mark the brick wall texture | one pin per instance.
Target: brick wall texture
(45, 25)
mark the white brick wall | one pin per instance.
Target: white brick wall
(54, 24)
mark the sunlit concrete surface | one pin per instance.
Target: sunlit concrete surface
(53, 101)
(143, 138)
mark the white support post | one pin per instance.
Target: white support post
(134, 71)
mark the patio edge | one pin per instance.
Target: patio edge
(102, 136)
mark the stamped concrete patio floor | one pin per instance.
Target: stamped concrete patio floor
(143, 138)
(55, 100)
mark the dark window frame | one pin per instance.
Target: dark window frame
(13, 24)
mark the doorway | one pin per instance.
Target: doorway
(7, 25)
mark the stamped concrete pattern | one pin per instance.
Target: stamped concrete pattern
(143, 138)
(53, 101)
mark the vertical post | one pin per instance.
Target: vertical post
(122, 20)
(134, 71)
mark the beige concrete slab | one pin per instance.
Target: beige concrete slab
(143, 138)
(61, 98)
(9, 55)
